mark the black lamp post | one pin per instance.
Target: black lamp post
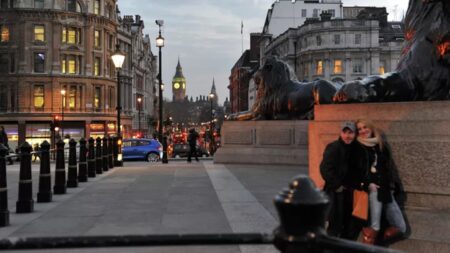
(160, 45)
(139, 100)
(63, 104)
(211, 144)
(118, 58)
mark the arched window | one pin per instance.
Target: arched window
(73, 5)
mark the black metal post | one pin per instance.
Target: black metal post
(116, 151)
(91, 158)
(110, 153)
(105, 154)
(119, 135)
(82, 164)
(211, 131)
(4, 212)
(98, 156)
(25, 203)
(60, 171)
(45, 180)
(72, 180)
(139, 118)
(164, 143)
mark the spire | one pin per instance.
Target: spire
(179, 72)
(213, 88)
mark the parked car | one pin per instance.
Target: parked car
(182, 150)
(141, 149)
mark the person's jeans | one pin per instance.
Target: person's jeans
(394, 215)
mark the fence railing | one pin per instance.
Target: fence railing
(302, 208)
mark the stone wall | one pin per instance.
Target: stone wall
(419, 133)
(264, 142)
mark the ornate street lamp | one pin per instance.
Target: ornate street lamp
(160, 45)
(118, 58)
(63, 104)
(211, 98)
(139, 100)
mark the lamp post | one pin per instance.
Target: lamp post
(63, 104)
(118, 58)
(160, 45)
(139, 100)
(211, 144)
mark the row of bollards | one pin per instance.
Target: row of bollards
(92, 160)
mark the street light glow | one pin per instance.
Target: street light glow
(118, 57)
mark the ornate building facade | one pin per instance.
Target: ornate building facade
(56, 73)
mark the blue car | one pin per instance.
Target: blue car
(142, 149)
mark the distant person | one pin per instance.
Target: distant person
(4, 141)
(36, 152)
(192, 140)
(334, 169)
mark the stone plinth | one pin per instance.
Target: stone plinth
(419, 133)
(264, 142)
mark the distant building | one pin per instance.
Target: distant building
(178, 84)
(285, 14)
(341, 49)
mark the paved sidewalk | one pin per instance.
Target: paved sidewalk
(174, 198)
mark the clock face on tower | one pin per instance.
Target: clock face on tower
(184, 86)
(176, 86)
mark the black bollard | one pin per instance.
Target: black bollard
(60, 170)
(115, 152)
(25, 203)
(91, 158)
(98, 156)
(45, 180)
(105, 154)
(4, 212)
(72, 177)
(110, 153)
(82, 164)
(303, 211)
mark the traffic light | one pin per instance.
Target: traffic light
(56, 123)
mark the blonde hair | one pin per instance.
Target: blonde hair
(375, 131)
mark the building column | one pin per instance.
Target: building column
(22, 130)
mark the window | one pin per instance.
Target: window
(4, 4)
(332, 12)
(97, 66)
(72, 65)
(319, 40)
(39, 63)
(39, 33)
(357, 39)
(357, 66)
(97, 97)
(382, 69)
(97, 7)
(337, 39)
(39, 4)
(4, 62)
(71, 35)
(319, 68)
(63, 66)
(73, 5)
(337, 67)
(38, 96)
(304, 13)
(72, 97)
(97, 38)
(315, 13)
(4, 36)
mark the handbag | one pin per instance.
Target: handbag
(360, 204)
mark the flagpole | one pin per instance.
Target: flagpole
(242, 37)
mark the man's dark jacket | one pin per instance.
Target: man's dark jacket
(335, 164)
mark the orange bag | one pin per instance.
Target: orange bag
(360, 204)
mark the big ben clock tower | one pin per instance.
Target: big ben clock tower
(178, 85)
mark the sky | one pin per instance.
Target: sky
(206, 35)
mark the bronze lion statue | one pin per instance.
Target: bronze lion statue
(280, 96)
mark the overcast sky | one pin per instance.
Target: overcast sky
(205, 35)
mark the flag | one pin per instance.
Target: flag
(242, 26)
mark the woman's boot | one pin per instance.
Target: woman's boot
(369, 235)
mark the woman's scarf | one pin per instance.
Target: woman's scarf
(368, 142)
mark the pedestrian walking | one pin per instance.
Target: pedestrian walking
(192, 140)
(334, 168)
(4, 141)
(377, 175)
(36, 155)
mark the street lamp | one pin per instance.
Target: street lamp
(139, 100)
(118, 58)
(160, 45)
(211, 97)
(63, 104)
